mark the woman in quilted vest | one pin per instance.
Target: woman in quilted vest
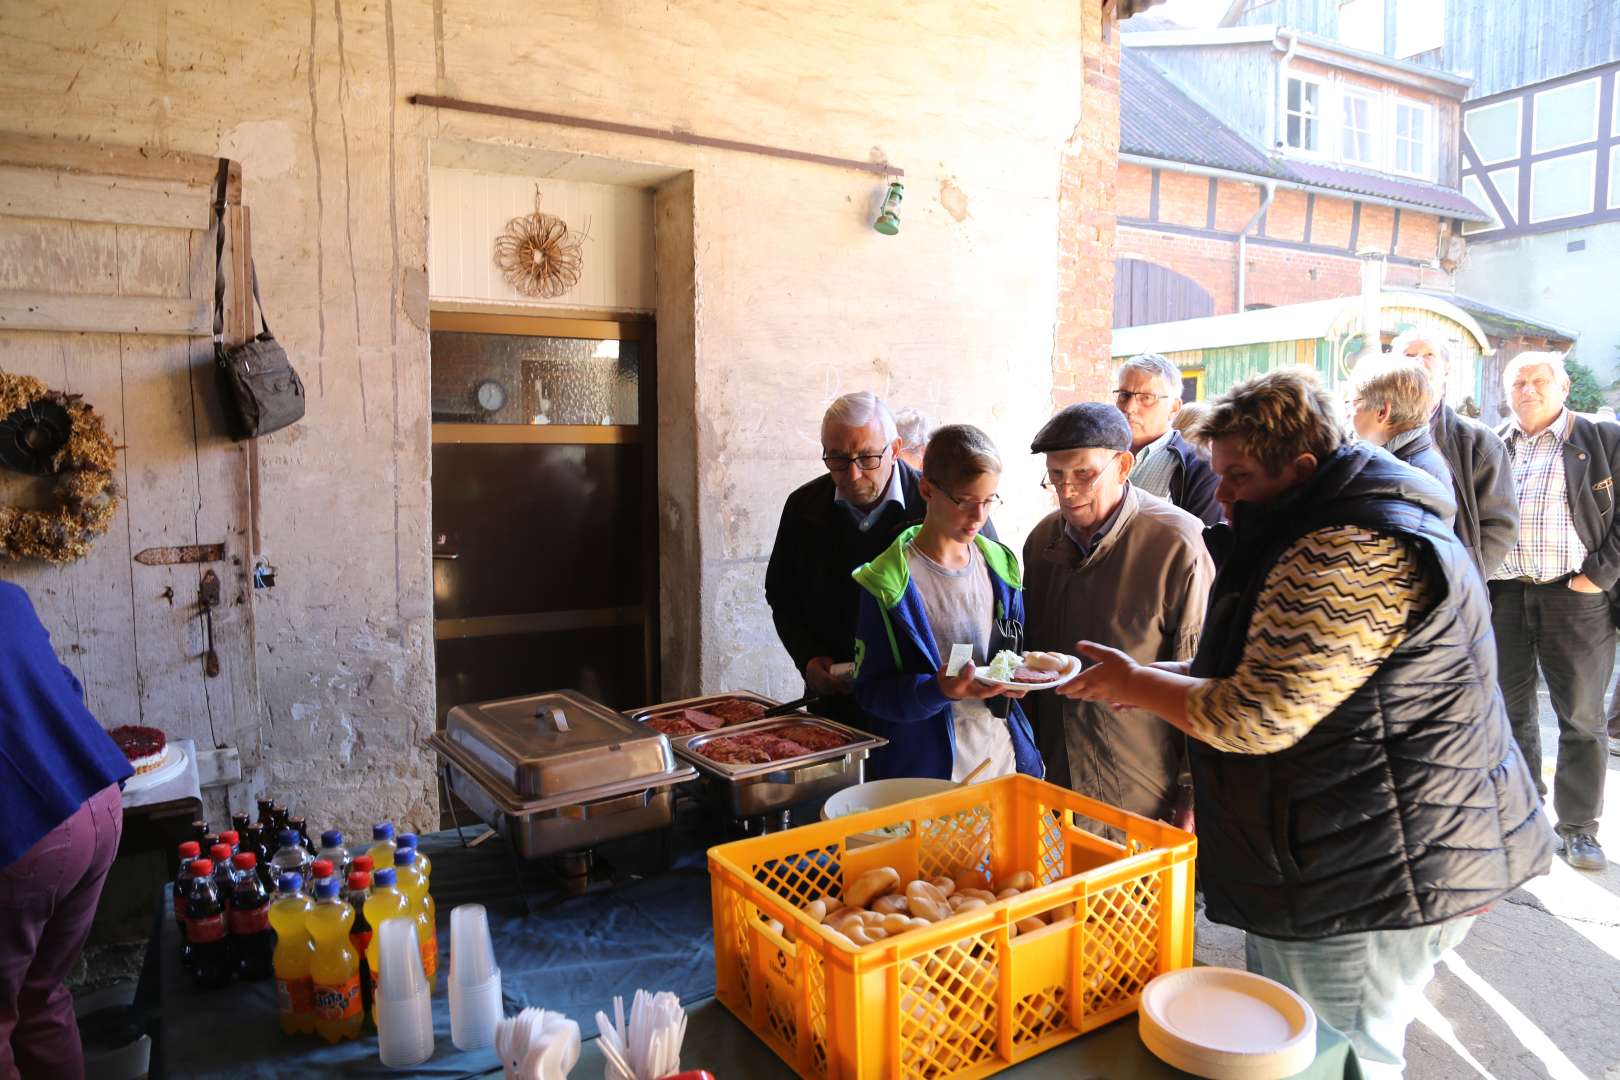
(1360, 798)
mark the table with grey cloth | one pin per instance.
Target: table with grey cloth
(650, 929)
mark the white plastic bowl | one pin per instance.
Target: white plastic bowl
(879, 793)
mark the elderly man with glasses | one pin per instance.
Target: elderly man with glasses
(1481, 475)
(1148, 392)
(1112, 563)
(842, 519)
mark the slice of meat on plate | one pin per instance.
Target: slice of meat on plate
(1025, 673)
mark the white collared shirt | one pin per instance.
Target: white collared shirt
(1155, 466)
(1548, 547)
(893, 492)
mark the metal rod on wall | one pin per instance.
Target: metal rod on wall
(666, 134)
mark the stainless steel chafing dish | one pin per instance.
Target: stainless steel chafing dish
(746, 791)
(558, 772)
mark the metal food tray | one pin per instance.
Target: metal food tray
(571, 822)
(750, 790)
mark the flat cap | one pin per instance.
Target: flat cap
(1082, 427)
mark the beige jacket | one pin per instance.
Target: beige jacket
(1142, 591)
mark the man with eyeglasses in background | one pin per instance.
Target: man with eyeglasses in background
(1148, 392)
(1117, 564)
(842, 519)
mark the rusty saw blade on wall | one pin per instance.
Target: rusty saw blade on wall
(173, 556)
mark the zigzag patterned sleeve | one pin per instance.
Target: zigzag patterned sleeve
(1334, 606)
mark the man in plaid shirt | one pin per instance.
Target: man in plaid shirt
(1549, 602)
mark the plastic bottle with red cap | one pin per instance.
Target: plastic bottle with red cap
(205, 929)
(253, 942)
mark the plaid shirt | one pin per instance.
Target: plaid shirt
(1155, 466)
(1548, 547)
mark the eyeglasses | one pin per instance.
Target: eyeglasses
(1076, 487)
(969, 506)
(864, 462)
(1122, 398)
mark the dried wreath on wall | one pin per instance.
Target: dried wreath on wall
(46, 432)
(539, 255)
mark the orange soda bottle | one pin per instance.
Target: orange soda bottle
(414, 885)
(385, 902)
(424, 865)
(382, 845)
(295, 993)
(335, 968)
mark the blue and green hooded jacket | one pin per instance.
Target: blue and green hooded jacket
(895, 663)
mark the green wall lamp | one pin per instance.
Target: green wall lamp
(888, 219)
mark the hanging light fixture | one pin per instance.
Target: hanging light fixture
(888, 219)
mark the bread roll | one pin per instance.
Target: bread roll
(1023, 879)
(927, 890)
(923, 907)
(871, 885)
(890, 904)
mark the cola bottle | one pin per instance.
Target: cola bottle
(205, 929)
(253, 943)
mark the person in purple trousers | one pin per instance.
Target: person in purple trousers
(61, 814)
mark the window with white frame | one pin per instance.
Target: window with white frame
(1420, 27)
(1358, 123)
(1361, 24)
(1303, 116)
(1411, 137)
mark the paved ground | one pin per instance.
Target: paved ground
(1535, 989)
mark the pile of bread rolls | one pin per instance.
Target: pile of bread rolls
(879, 905)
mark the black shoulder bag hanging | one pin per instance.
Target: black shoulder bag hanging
(260, 390)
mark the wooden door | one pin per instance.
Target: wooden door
(106, 290)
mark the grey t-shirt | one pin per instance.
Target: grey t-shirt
(960, 606)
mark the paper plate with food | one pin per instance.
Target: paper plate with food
(1029, 671)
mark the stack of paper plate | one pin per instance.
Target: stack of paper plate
(1227, 1024)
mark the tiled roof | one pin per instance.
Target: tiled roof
(1445, 201)
(1500, 322)
(1157, 119)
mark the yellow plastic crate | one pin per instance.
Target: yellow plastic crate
(964, 997)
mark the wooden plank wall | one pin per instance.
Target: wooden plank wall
(110, 249)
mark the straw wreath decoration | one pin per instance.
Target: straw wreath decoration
(52, 433)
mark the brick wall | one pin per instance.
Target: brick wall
(1083, 335)
(1275, 275)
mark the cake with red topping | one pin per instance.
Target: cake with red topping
(144, 746)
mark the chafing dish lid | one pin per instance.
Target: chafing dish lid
(555, 743)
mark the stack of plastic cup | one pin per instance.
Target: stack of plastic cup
(475, 981)
(404, 1013)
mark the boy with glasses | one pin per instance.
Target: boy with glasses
(943, 583)
(1112, 563)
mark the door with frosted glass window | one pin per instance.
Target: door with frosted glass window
(544, 555)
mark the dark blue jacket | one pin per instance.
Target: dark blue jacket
(1192, 488)
(53, 753)
(895, 664)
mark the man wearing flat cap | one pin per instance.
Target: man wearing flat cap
(1112, 563)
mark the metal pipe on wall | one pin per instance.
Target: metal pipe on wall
(1268, 191)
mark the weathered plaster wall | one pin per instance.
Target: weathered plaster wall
(792, 297)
